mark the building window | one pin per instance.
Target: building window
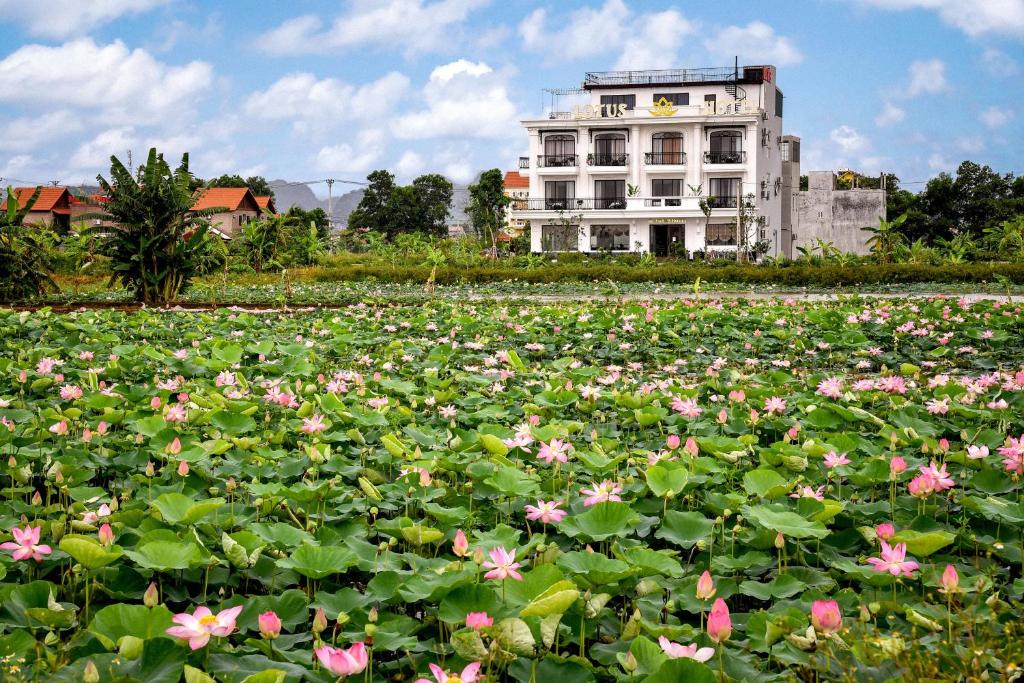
(558, 194)
(559, 150)
(778, 103)
(674, 98)
(726, 147)
(720, 234)
(724, 190)
(610, 194)
(559, 238)
(667, 148)
(610, 150)
(615, 101)
(710, 99)
(671, 189)
(609, 238)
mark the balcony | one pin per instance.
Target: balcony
(667, 202)
(570, 204)
(524, 162)
(665, 158)
(557, 160)
(607, 159)
(722, 202)
(728, 157)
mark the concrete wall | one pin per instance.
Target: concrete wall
(230, 223)
(836, 216)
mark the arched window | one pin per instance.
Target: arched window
(726, 147)
(668, 148)
(559, 150)
(610, 149)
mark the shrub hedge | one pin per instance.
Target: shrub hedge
(790, 275)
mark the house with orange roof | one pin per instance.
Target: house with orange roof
(52, 206)
(516, 187)
(266, 203)
(238, 204)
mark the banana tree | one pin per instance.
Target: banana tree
(24, 260)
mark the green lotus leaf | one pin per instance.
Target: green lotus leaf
(420, 534)
(685, 528)
(166, 555)
(316, 561)
(778, 519)
(765, 483)
(923, 544)
(177, 508)
(114, 622)
(602, 521)
(663, 479)
(232, 423)
(555, 600)
(88, 552)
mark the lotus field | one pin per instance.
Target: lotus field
(451, 492)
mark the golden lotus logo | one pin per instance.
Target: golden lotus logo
(663, 108)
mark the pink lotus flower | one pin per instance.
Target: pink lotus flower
(341, 662)
(175, 412)
(677, 651)
(809, 492)
(831, 387)
(774, 404)
(922, 486)
(313, 425)
(478, 620)
(70, 392)
(672, 442)
(607, 490)
(885, 531)
(460, 546)
(691, 447)
(894, 560)
(502, 565)
(106, 534)
(939, 475)
(554, 450)
(950, 580)
(174, 447)
(183, 468)
(897, 466)
(197, 627)
(447, 412)
(686, 407)
(59, 428)
(832, 459)
(468, 675)
(705, 586)
(719, 623)
(546, 512)
(825, 616)
(269, 624)
(977, 452)
(26, 544)
(1013, 454)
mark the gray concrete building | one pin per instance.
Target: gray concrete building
(822, 212)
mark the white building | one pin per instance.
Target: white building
(638, 167)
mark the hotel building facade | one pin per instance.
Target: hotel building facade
(657, 162)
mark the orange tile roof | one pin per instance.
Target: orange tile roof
(514, 181)
(264, 201)
(231, 198)
(47, 200)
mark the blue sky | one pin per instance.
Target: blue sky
(313, 89)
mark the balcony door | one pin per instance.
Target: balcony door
(610, 194)
(723, 191)
(559, 194)
(726, 147)
(667, 148)
(559, 150)
(610, 149)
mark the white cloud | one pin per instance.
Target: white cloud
(927, 76)
(937, 162)
(303, 99)
(975, 18)
(970, 144)
(757, 41)
(65, 18)
(464, 99)
(414, 25)
(126, 85)
(411, 164)
(354, 159)
(999, 64)
(890, 115)
(95, 154)
(587, 32)
(994, 117)
(28, 132)
(849, 140)
(656, 43)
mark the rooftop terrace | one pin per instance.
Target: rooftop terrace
(707, 76)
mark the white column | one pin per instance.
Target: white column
(636, 156)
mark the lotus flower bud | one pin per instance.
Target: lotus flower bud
(91, 674)
(269, 624)
(150, 470)
(319, 621)
(705, 586)
(460, 546)
(106, 534)
(174, 447)
(780, 541)
(950, 579)
(37, 499)
(478, 556)
(372, 615)
(629, 663)
(151, 598)
(183, 468)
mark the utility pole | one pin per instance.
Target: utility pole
(330, 203)
(739, 221)
(130, 170)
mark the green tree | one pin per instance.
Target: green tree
(156, 238)
(257, 183)
(886, 239)
(372, 210)
(297, 216)
(433, 194)
(25, 264)
(487, 205)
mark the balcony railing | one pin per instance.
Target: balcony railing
(569, 204)
(524, 162)
(664, 201)
(557, 160)
(607, 159)
(665, 158)
(731, 157)
(722, 202)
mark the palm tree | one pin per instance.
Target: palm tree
(24, 260)
(886, 238)
(157, 238)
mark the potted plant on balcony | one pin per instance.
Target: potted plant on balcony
(633, 200)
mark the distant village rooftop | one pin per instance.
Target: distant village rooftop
(704, 76)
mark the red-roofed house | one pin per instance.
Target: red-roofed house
(52, 206)
(266, 203)
(239, 203)
(516, 187)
